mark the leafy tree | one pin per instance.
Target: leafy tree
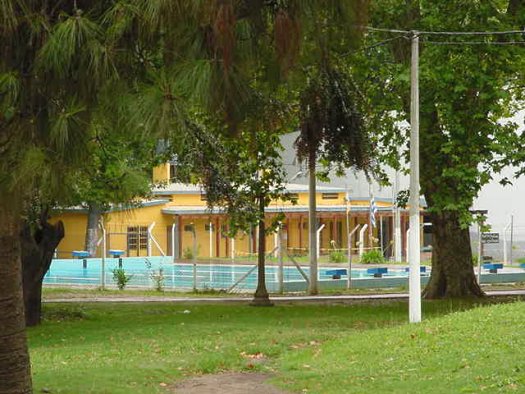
(465, 91)
(118, 173)
(53, 62)
(333, 129)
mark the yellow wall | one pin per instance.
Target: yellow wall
(117, 224)
(188, 199)
(75, 232)
(161, 173)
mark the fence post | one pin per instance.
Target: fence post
(194, 258)
(362, 240)
(349, 240)
(280, 254)
(104, 252)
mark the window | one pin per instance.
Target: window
(330, 196)
(207, 227)
(173, 172)
(294, 196)
(137, 237)
(188, 227)
(203, 197)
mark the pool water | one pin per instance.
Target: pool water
(180, 275)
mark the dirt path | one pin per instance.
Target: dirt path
(228, 383)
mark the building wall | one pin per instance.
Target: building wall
(161, 173)
(75, 232)
(119, 226)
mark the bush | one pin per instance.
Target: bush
(121, 278)
(374, 256)
(337, 256)
(187, 253)
(157, 276)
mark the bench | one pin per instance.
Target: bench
(81, 254)
(422, 269)
(117, 253)
(377, 272)
(493, 267)
(336, 274)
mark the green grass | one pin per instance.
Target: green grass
(470, 352)
(122, 348)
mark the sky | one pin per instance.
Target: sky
(504, 201)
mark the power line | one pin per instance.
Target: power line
(383, 42)
(444, 33)
(473, 42)
(471, 33)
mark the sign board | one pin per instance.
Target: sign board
(490, 238)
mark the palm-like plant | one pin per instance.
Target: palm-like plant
(333, 129)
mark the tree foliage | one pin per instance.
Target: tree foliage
(466, 90)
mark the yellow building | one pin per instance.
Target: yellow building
(167, 223)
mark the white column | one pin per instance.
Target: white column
(173, 226)
(211, 239)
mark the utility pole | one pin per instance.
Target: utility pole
(414, 241)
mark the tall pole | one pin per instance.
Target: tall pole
(415, 249)
(104, 253)
(480, 251)
(397, 224)
(280, 255)
(511, 237)
(312, 223)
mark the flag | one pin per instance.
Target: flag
(373, 211)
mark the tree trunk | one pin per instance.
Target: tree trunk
(37, 253)
(312, 223)
(15, 370)
(94, 214)
(452, 268)
(261, 297)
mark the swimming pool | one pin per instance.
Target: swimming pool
(181, 275)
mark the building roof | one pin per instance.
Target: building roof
(183, 188)
(203, 210)
(116, 208)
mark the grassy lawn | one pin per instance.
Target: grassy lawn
(476, 351)
(110, 348)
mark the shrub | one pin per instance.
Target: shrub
(121, 278)
(373, 256)
(187, 253)
(337, 256)
(157, 276)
